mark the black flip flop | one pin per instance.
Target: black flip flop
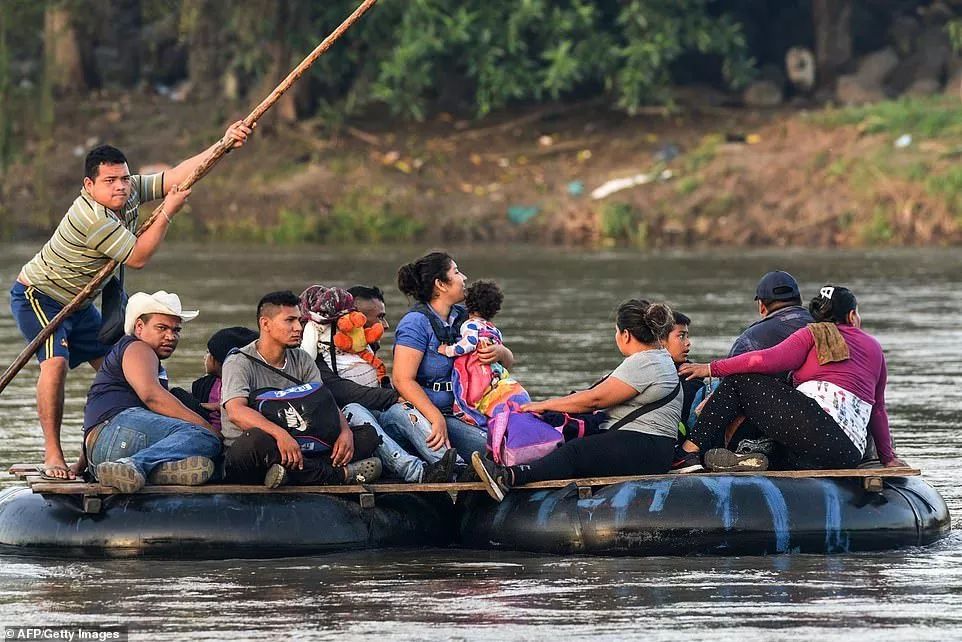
(42, 471)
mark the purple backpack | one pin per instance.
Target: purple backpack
(521, 437)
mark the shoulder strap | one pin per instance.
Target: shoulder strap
(270, 367)
(333, 351)
(648, 407)
(445, 334)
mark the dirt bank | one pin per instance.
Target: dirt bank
(725, 177)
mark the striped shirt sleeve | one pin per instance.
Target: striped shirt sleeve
(150, 187)
(109, 237)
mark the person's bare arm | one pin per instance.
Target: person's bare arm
(608, 393)
(406, 363)
(238, 132)
(246, 418)
(496, 352)
(343, 450)
(149, 241)
(140, 369)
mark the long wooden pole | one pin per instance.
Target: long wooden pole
(218, 152)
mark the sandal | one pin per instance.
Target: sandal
(44, 471)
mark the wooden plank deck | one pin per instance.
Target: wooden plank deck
(77, 487)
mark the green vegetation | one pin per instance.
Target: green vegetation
(620, 222)
(703, 154)
(368, 217)
(930, 117)
(357, 218)
(947, 184)
(687, 184)
(879, 231)
(407, 55)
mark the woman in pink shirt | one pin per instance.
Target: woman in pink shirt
(824, 421)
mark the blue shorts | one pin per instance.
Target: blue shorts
(76, 338)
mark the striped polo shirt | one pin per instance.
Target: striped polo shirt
(87, 238)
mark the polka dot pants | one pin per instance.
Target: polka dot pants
(810, 436)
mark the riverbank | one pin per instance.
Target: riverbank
(884, 175)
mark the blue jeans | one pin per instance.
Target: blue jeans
(396, 460)
(145, 439)
(405, 423)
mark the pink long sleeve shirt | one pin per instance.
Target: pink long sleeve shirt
(864, 374)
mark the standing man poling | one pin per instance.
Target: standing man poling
(98, 227)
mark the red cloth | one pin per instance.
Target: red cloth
(863, 374)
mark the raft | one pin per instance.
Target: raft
(713, 514)
(217, 525)
(695, 514)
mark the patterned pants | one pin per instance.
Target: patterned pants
(810, 437)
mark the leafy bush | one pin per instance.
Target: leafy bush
(622, 222)
(928, 117)
(408, 54)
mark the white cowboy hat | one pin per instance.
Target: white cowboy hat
(159, 302)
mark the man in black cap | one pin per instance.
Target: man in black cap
(780, 306)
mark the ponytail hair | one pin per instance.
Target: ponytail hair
(833, 304)
(647, 322)
(416, 279)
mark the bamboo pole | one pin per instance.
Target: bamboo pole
(217, 153)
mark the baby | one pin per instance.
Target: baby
(481, 390)
(483, 300)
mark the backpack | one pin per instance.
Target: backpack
(523, 437)
(520, 437)
(576, 425)
(310, 414)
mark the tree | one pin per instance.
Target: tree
(833, 38)
(63, 64)
(202, 23)
(5, 115)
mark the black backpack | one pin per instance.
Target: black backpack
(310, 414)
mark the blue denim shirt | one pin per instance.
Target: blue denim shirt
(414, 331)
(772, 330)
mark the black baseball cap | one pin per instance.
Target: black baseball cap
(777, 286)
(223, 341)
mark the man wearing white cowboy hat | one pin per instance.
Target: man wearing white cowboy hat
(134, 429)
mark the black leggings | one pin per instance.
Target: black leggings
(609, 453)
(812, 439)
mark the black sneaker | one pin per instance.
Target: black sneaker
(492, 475)
(685, 462)
(363, 471)
(467, 475)
(720, 460)
(441, 471)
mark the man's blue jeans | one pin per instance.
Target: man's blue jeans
(405, 423)
(396, 460)
(145, 439)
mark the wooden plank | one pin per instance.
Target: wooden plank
(37, 479)
(77, 487)
(59, 488)
(790, 474)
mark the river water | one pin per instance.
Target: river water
(557, 319)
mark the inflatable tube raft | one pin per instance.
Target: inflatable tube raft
(212, 526)
(710, 515)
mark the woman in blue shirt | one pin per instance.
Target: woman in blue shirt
(421, 375)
